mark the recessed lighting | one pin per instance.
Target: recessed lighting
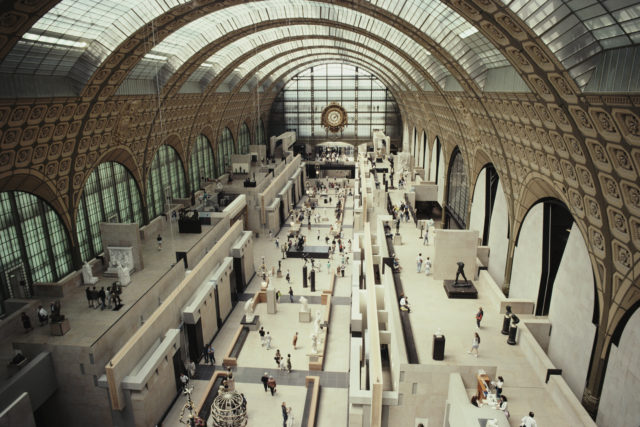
(53, 40)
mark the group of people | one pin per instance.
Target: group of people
(104, 298)
(209, 354)
(284, 365)
(401, 213)
(420, 262)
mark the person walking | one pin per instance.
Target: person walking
(262, 333)
(426, 237)
(427, 266)
(108, 297)
(288, 277)
(159, 240)
(295, 341)
(94, 297)
(288, 363)
(267, 340)
(285, 414)
(479, 316)
(419, 262)
(87, 290)
(278, 358)
(290, 293)
(265, 380)
(271, 383)
(277, 243)
(475, 344)
(103, 296)
(528, 421)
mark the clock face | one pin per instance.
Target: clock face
(334, 117)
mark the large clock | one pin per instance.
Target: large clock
(334, 117)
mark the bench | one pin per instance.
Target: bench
(231, 357)
(311, 401)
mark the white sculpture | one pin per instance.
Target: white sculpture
(305, 304)
(87, 275)
(317, 329)
(123, 275)
(248, 311)
(314, 343)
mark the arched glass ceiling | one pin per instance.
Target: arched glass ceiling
(394, 74)
(576, 31)
(98, 27)
(214, 64)
(379, 52)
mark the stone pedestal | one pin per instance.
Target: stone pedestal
(253, 325)
(397, 239)
(304, 316)
(60, 328)
(279, 274)
(271, 301)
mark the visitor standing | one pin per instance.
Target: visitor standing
(288, 277)
(159, 240)
(289, 363)
(419, 262)
(295, 340)
(528, 421)
(262, 333)
(212, 355)
(265, 380)
(290, 294)
(26, 322)
(427, 266)
(267, 340)
(479, 316)
(205, 354)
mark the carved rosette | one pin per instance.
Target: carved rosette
(334, 117)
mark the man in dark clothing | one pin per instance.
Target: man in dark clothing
(265, 379)
(285, 415)
(94, 297)
(89, 296)
(103, 296)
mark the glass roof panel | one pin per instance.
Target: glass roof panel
(251, 42)
(109, 22)
(575, 30)
(308, 51)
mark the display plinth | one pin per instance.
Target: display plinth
(304, 316)
(438, 347)
(460, 290)
(60, 328)
(253, 325)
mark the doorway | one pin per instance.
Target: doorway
(196, 343)
(241, 280)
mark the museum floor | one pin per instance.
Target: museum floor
(431, 310)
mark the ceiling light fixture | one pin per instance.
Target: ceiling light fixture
(53, 40)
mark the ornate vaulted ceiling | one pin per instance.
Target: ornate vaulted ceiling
(546, 90)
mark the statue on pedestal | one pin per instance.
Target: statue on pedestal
(123, 275)
(460, 272)
(317, 326)
(87, 275)
(248, 311)
(314, 343)
(305, 304)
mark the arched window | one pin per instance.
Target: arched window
(244, 139)
(166, 179)
(260, 134)
(457, 196)
(34, 245)
(225, 150)
(201, 164)
(109, 195)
